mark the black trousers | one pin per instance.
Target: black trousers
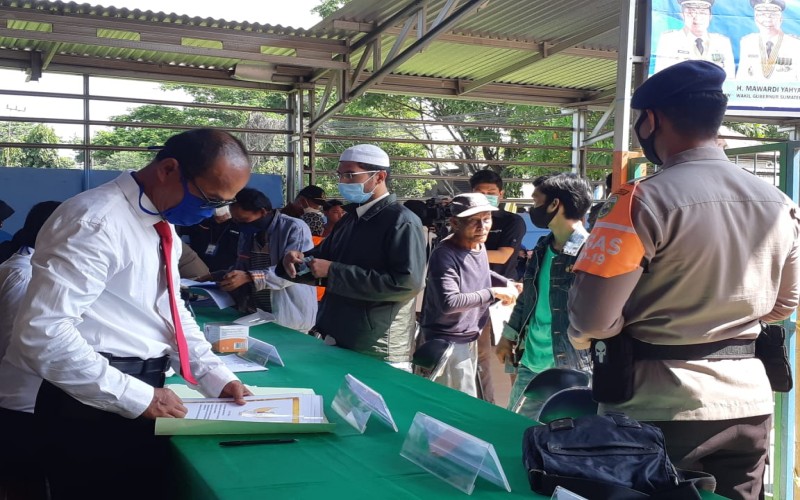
(90, 453)
(733, 451)
(21, 472)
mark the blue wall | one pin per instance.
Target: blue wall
(24, 187)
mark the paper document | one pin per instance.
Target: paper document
(257, 318)
(499, 316)
(290, 408)
(272, 411)
(238, 364)
(221, 298)
(186, 392)
(198, 284)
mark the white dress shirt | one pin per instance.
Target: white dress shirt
(99, 286)
(15, 273)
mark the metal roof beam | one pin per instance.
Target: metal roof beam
(483, 41)
(135, 70)
(468, 7)
(171, 49)
(604, 26)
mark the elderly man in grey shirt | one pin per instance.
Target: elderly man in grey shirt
(460, 289)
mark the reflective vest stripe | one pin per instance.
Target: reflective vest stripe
(613, 248)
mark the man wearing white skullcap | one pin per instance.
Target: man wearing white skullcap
(372, 264)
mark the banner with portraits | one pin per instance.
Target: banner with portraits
(756, 42)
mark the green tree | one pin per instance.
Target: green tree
(328, 7)
(42, 157)
(131, 135)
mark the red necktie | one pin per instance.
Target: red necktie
(165, 233)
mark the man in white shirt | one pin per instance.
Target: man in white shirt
(20, 472)
(101, 324)
(771, 54)
(694, 41)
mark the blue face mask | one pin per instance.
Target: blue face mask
(354, 193)
(188, 212)
(494, 200)
(255, 226)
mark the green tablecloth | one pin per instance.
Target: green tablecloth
(346, 464)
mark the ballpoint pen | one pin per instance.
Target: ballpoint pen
(257, 441)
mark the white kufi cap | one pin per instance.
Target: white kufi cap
(366, 153)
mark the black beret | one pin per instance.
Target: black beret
(680, 79)
(779, 3)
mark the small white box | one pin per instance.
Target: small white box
(227, 337)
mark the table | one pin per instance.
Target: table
(346, 464)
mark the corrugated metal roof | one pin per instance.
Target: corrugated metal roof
(484, 44)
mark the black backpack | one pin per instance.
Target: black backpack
(606, 457)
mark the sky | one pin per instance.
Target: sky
(294, 13)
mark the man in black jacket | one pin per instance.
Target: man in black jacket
(372, 264)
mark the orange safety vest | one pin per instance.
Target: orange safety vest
(320, 289)
(613, 247)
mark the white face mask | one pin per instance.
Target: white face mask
(308, 208)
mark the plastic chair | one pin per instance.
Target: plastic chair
(549, 382)
(432, 356)
(573, 402)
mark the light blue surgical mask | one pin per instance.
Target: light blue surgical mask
(354, 193)
(494, 200)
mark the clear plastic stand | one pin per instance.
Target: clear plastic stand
(356, 402)
(562, 493)
(452, 455)
(261, 353)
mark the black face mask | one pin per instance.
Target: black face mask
(540, 217)
(256, 226)
(649, 144)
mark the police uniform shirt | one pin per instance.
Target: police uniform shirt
(719, 250)
(769, 59)
(681, 45)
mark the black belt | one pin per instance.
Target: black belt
(724, 349)
(136, 366)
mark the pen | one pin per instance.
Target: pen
(257, 441)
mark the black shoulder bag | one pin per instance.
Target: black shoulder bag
(606, 457)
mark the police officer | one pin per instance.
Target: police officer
(769, 54)
(693, 41)
(666, 270)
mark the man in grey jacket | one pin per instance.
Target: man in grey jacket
(265, 235)
(372, 265)
(666, 271)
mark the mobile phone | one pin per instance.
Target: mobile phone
(302, 268)
(218, 275)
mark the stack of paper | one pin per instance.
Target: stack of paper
(272, 410)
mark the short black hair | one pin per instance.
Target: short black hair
(38, 215)
(196, 150)
(696, 114)
(331, 203)
(486, 176)
(252, 200)
(572, 191)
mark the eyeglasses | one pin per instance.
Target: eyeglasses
(351, 175)
(768, 13)
(209, 202)
(692, 11)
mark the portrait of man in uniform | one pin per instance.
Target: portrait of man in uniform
(770, 54)
(693, 41)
